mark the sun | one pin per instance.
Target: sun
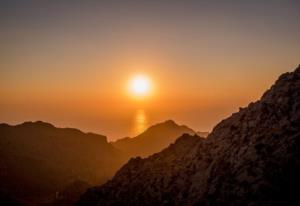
(140, 85)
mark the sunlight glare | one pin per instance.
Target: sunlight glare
(140, 86)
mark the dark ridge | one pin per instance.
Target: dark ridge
(153, 140)
(39, 160)
(45, 125)
(36, 124)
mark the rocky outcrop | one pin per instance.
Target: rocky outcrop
(250, 158)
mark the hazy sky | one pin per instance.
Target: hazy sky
(68, 62)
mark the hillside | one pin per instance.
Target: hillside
(38, 159)
(153, 140)
(250, 158)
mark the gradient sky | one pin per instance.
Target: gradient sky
(68, 62)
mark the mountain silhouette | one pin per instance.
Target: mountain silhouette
(38, 159)
(250, 158)
(153, 140)
(41, 163)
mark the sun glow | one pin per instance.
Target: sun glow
(140, 86)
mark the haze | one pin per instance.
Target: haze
(69, 63)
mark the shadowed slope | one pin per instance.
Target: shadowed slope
(38, 159)
(250, 158)
(153, 140)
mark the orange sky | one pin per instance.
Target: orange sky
(70, 65)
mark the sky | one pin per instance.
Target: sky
(69, 62)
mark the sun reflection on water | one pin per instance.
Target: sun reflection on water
(140, 122)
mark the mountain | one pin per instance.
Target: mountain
(38, 160)
(250, 158)
(153, 140)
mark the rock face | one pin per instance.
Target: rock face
(250, 158)
(153, 140)
(37, 159)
